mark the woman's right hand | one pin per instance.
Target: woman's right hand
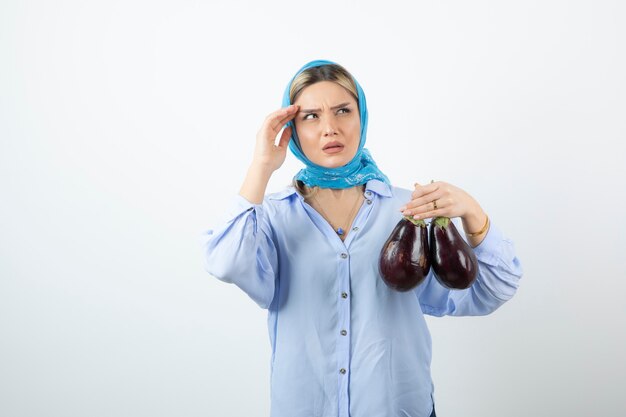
(267, 153)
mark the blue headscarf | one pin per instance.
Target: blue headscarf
(359, 170)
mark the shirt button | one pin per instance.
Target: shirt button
(368, 201)
(344, 295)
(368, 193)
(342, 371)
(344, 255)
(355, 229)
(343, 332)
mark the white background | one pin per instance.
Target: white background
(125, 127)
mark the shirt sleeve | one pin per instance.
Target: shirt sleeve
(242, 252)
(499, 272)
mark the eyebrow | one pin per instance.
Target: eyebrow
(332, 108)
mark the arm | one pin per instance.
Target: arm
(499, 270)
(268, 157)
(241, 251)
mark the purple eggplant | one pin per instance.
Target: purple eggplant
(454, 261)
(404, 260)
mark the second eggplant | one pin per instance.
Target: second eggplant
(404, 260)
(453, 260)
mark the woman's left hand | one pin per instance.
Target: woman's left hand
(440, 199)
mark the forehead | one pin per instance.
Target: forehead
(324, 92)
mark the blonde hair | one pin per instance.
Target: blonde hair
(304, 190)
(330, 72)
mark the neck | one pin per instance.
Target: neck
(338, 206)
(339, 193)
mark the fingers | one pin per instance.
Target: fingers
(427, 201)
(427, 209)
(285, 137)
(272, 125)
(277, 119)
(425, 194)
(431, 210)
(267, 152)
(421, 190)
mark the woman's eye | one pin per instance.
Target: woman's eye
(343, 110)
(306, 116)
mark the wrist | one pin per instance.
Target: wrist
(474, 221)
(478, 234)
(255, 183)
(262, 169)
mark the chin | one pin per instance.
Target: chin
(326, 163)
(332, 161)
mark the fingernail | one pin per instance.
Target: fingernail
(406, 212)
(417, 216)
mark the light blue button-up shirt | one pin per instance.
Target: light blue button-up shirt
(343, 343)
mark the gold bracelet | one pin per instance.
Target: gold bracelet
(481, 231)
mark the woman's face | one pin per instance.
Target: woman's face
(328, 124)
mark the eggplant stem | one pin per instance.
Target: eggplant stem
(442, 221)
(417, 222)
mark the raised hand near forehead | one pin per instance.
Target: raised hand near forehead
(267, 153)
(440, 199)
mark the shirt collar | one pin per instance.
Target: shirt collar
(375, 186)
(379, 187)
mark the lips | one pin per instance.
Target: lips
(333, 147)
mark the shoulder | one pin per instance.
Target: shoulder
(285, 194)
(280, 201)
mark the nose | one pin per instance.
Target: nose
(329, 130)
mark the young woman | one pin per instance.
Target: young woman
(343, 343)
